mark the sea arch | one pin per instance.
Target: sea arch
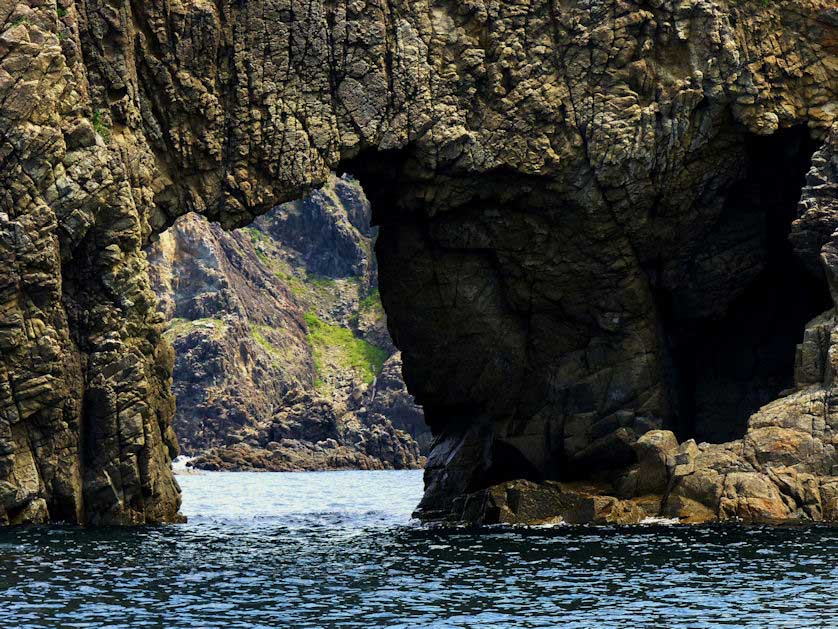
(547, 178)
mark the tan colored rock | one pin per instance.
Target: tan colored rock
(543, 177)
(812, 361)
(829, 498)
(751, 497)
(525, 502)
(688, 511)
(653, 451)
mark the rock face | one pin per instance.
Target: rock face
(583, 212)
(761, 478)
(313, 433)
(273, 365)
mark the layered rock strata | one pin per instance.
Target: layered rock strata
(579, 207)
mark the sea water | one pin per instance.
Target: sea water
(339, 549)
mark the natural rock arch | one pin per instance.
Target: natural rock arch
(555, 340)
(540, 170)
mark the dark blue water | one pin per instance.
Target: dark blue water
(339, 550)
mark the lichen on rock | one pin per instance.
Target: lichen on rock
(572, 215)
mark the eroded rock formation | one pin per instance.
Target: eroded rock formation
(280, 340)
(569, 232)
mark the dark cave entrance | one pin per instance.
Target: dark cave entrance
(730, 361)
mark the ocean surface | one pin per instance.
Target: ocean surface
(338, 549)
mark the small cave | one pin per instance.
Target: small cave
(732, 342)
(509, 463)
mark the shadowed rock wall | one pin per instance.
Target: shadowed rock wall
(547, 169)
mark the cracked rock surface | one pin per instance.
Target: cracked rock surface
(572, 219)
(259, 384)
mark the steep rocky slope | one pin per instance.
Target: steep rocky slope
(573, 237)
(279, 340)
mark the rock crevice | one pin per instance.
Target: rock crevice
(540, 172)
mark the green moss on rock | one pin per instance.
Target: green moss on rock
(334, 344)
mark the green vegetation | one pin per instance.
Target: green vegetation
(331, 343)
(370, 310)
(311, 290)
(263, 257)
(61, 11)
(280, 356)
(259, 240)
(319, 281)
(256, 236)
(372, 302)
(258, 335)
(333, 347)
(99, 125)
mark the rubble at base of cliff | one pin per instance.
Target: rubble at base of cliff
(685, 483)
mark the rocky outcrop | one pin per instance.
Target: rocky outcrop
(310, 433)
(258, 315)
(390, 399)
(784, 468)
(760, 479)
(238, 333)
(578, 205)
(688, 483)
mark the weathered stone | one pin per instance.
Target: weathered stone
(238, 302)
(314, 433)
(524, 502)
(574, 204)
(752, 497)
(829, 498)
(653, 451)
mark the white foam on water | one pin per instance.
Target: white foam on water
(659, 520)
(550, 525)
(179, 465)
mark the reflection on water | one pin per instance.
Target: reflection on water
(338, 549)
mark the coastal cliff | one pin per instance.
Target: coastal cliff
(597, 220)
(280, 341)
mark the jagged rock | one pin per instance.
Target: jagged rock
(328, 232)
(237, 304)
(310, 433)
(784, 469)
(651, 473)
(239, 335)
(524, 502)
(390, 398)
(579, 210)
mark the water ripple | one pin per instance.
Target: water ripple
(339, 550)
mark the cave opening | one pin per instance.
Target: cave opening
(733, 333)
(508, 463)
(283, 360)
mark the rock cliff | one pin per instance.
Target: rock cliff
(280, 340)
(583, 211)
